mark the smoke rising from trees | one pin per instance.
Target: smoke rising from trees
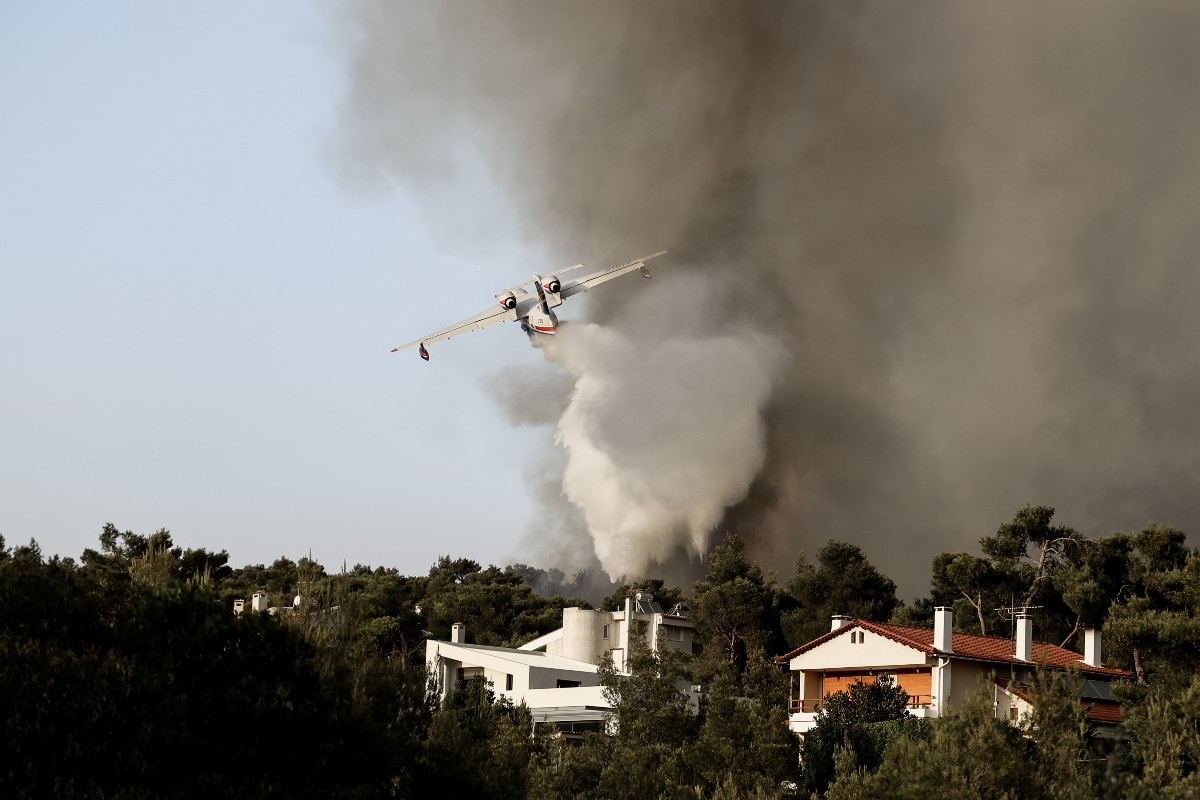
(971, 229)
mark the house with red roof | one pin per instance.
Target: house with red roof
(939, 666)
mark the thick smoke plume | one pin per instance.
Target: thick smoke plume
(964, 234)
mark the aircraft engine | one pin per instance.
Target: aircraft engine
(552, 285)
(507, 300)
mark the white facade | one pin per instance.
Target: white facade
(939, 668)
(258, 603)
(554, 688)
(556, 675)
(586, 634)
(865, 652)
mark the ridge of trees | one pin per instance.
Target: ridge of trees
(126, 674)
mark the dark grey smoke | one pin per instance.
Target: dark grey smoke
(973, 227)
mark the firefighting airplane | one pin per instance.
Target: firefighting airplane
(532, 308)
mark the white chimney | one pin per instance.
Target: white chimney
(839, 620)
(258, 603)
(458, 633)
(1024, 637)
(1091, 647)
(943, 629)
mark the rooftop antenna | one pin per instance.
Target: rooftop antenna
(1010, 612)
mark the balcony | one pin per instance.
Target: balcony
(812, 705)
(805, 706)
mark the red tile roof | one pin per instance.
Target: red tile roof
(1106, 711)
(1097, 710)
(995, 649)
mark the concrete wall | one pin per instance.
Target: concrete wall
(969, 677)
(547, 678)
(524, 678)
(565, 698)
(587, 635)
(673, 636)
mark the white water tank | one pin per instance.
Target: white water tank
(582, 630)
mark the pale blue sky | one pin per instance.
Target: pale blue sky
(196, 313)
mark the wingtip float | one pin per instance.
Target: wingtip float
(533, 308)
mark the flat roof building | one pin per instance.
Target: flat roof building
(557, 675)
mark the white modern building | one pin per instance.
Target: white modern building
(556, 675)
(938, 667)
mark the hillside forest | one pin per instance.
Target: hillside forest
(125, 674)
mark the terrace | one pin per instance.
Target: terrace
(812, 705)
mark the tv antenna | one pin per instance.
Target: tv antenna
(1011, 612)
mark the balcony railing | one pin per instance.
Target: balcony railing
(806, 706)
(811, 705)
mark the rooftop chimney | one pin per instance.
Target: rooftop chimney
(943, 629)
(839, 620)
(1091, 647)
(458, 633)
(1024, 637)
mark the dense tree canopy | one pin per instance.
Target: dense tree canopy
(113, 686)
(127, 675)
(843, 581)
(732, 608)
(864, 718)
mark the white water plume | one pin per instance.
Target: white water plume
(662, 436)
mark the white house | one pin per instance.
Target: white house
(938, 667)
(556, 675)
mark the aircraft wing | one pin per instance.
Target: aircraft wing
(480, 320)
(577, 285)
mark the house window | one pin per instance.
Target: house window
(470, 673)
(605, 631)
(508, 683)
(562, 684)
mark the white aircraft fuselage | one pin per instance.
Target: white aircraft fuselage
(534, 309)
(540, 318)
